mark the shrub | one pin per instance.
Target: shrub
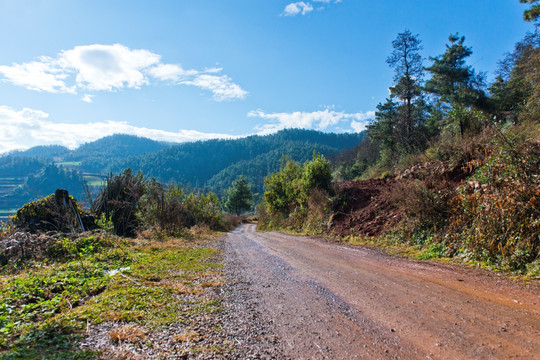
(290, 197)
(499, 219)
(119, 199)
(56, 212)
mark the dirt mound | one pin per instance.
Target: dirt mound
(365, 207)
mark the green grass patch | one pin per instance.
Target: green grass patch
(45, 308)
(96, 183)
(68, 163)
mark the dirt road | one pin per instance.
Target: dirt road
(303, 298)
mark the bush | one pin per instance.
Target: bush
(57, 212)
(290, 199)
(499, 219)
(172, 210)
(118, 201)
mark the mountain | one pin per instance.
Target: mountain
(96, 156)
(42, 152)
(214, 164)
(210, 165)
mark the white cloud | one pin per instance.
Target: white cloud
(221, 86)
(111, 68)
(108, 67)
(318, 120)
(26, 128)
(296, 8)
(170, 72)
(43, 75)
(87, 98)
(358, 126)
(302, 7)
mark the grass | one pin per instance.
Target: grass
(68, 163)
(439, 253)
(96, 183)
(145, 286)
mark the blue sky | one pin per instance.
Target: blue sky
(73, 71)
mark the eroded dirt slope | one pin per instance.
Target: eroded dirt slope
(312, 299)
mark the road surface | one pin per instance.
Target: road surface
(313, 299)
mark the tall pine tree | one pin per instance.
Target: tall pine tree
(400, 122)
(454, 83)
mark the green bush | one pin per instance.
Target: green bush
(298, 196)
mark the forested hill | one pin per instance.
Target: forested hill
(214, 164)
(210, 165)
(98, 155)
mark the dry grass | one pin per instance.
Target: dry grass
(130, 333)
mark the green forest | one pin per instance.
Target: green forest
(209, 166)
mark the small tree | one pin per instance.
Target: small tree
(239, 197)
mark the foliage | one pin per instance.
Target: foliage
(54, 177)
(455, 83)
(46, 153)
(239, 198)
(515, 93)
(498, 218)
(352, 163)
(492, 217)
(118, 201)
(14, 166)
(411, 110)
(57, 212)
(288, 193)
(215, 164)
(98, 155)
(533, 12)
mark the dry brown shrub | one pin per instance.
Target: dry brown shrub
(188, 336)
(426, 205)
(130, 333)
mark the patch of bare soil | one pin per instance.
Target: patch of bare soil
(365, 208)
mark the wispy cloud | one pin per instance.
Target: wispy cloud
(87, 98)
(22, 129)
(221, 86)
(111, 68)
(317, 120)
(296, 8)
(305, 7)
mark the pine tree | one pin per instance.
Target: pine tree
(534, 12)
(400, 122)
(239, 197)
(453, 82)
(411, 114)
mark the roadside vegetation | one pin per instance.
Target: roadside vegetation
(136, 273)
(457, 161)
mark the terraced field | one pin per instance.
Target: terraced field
(8, 206)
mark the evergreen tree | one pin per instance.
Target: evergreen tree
(515, 90)
(454, 83)
(382, 129)
(399, 123)
(534, 12)
(411, 110)
(239, 197)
